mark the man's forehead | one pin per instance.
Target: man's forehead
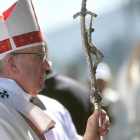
(39, 48)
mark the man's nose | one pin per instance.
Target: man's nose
(47, 64)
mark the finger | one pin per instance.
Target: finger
(103, 114)
(107, 118)
(94, 117)
(93, 122)
(92, 127)
(105, 125)
(104, 133)
(105, 121)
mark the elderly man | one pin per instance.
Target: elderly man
(22, 70)
(71, 94)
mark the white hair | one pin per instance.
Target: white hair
(2, 63)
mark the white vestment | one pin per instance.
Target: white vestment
(12, 125)
(64, 128)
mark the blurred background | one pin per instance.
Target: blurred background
(116, 31)
(117, 36)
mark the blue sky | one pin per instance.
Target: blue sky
(53, 14)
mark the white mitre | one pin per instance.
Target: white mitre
(19, 28)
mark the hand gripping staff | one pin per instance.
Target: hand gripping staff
(89, 48)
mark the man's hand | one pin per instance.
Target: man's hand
(93, 132)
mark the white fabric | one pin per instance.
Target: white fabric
(22, 20)
(117, 111)
(12, 125)
(64, 128)
(19, 100)
(3, 31)
(128, 84)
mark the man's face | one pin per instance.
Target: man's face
(32, 70)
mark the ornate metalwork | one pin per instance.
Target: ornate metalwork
(89, 50)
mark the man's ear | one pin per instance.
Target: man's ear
(12, 64)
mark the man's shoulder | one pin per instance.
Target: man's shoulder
(6, 109)
(12, 124)
(8, 113)
(51, 104)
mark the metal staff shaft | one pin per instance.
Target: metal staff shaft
(89, 49)
(98, 106)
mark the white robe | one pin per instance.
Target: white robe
(64, 128)
(12, 124)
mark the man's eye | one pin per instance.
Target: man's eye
(39, 56)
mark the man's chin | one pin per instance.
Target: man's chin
(40, 88)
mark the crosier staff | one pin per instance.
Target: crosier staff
(89, 49)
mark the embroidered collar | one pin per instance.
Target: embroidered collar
(11, 93)
(13, 87)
